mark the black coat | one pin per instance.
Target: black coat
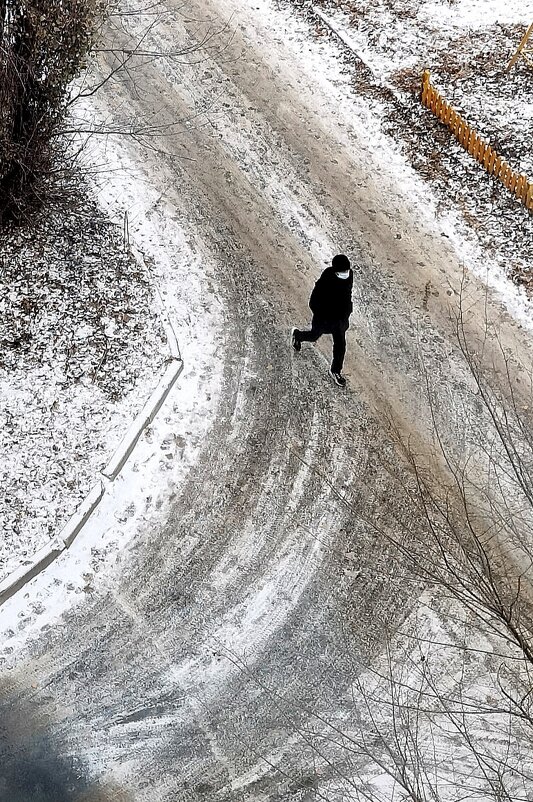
(331, 298)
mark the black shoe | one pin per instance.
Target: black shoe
(338, 378)
(295, 342)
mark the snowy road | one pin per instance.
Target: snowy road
(195, 669)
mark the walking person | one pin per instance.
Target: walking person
(331, 305)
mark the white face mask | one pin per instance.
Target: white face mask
(343, 274)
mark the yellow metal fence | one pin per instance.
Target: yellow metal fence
(517, 183)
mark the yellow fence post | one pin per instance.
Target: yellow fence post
(425, 86)
(521, 50)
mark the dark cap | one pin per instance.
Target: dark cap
(340, 262)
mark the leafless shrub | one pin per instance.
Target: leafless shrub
(53, 57)
(467, 700)
(42, 47)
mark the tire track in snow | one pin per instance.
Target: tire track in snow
(141, 695)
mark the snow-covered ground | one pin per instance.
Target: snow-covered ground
(181, 281)
(436, 714)
(466, 46)
(82, 347)
(81, 319)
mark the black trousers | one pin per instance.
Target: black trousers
(337, 328)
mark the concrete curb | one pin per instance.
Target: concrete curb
(172, 339)
(46, 555)
(82, 515)
(168, 322)
(38, 562)
(343, 38)
(145, 416)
